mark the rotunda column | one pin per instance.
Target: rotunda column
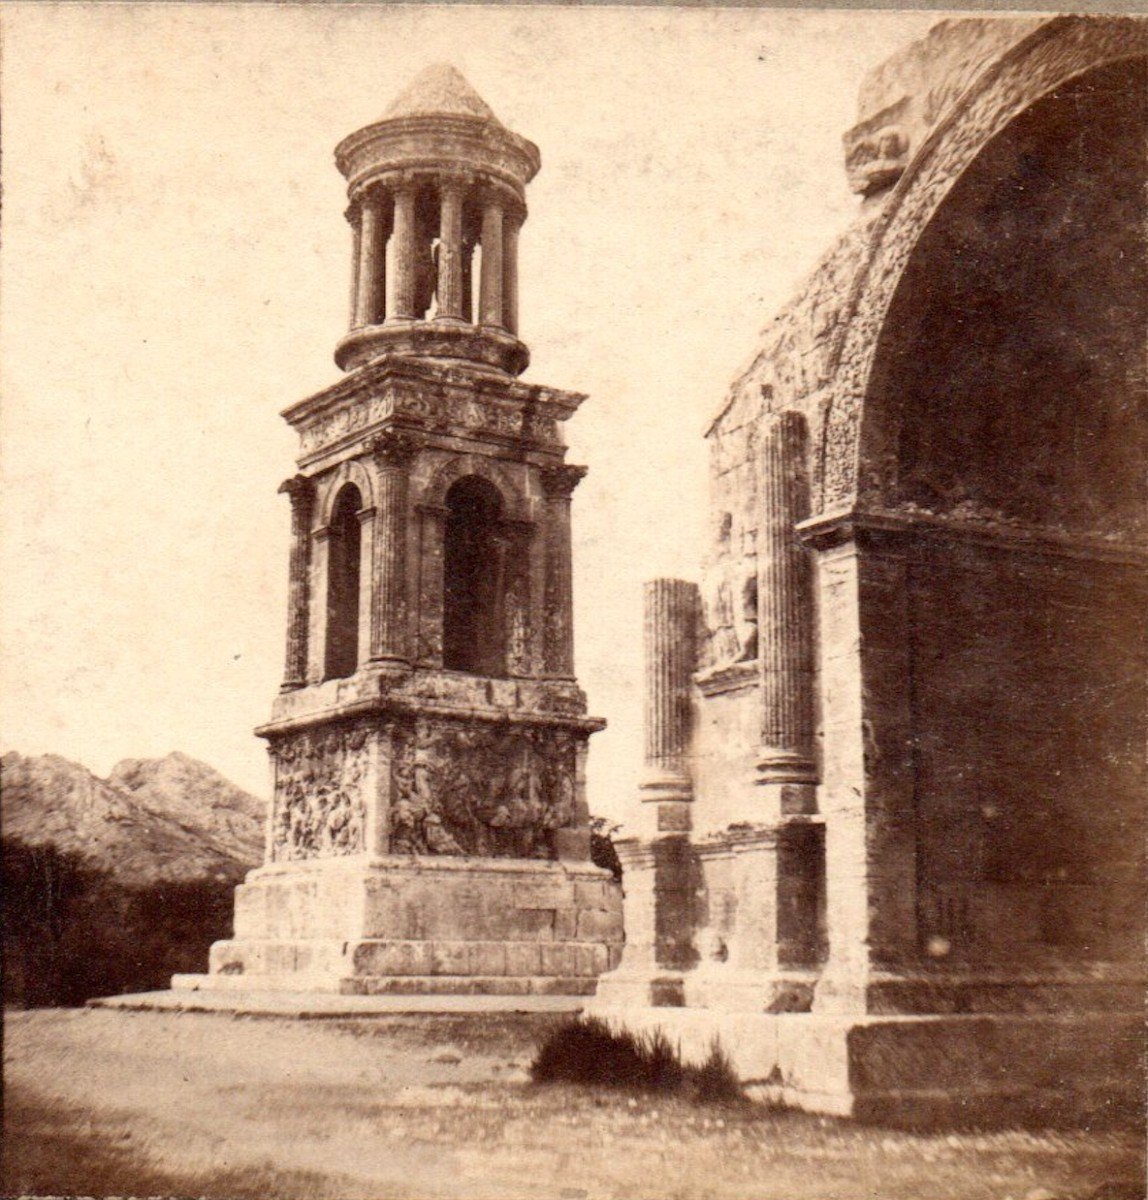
(371, 256)
(490, 294)
(392, 452)
(785, 612)
(301, 492)
(354, 219)
(405, 251)
(558, 484)
(450, 252)
(510, 230)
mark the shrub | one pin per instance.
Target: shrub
(587, 1051)
(71, 931)
(602, 850)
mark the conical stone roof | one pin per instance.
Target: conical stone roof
(440, 90)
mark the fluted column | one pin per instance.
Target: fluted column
(392, 452)
(785, 605)
(405, 252)
(370, 296)
(450, 251)
(511, 226)
(669, 635)
(301, 492)
(490, 293)
(558, 484)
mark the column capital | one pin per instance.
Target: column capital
(372, 192)
(558, 483)
(402, 183)
(299, 489)
(456, 181)
(392, 448)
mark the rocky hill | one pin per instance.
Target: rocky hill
(151, 821)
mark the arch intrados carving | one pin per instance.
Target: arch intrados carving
(347, 472)
(434, 494)
(1060, 51)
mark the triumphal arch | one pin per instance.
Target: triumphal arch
(428, 830)
(892, 844)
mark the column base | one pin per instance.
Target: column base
(484, 344)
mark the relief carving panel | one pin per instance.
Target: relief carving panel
(321, 781)
(488, 791)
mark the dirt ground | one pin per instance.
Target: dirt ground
(105, 1103)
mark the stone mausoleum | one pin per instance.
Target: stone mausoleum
(428, 830)
(891, 844)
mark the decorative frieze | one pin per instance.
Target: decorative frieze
(462, 788)
(321, 785)
(442, 411)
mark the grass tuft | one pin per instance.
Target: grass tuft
(587, 1051)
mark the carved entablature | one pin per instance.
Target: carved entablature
(492, 791)
(342, 422)
(438, 399)
(321, 782)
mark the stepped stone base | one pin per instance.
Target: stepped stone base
(919, 1071)
(317, 1006)
(410, 926)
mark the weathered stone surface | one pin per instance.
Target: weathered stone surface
(947, 922)
(429, 828)
(416, 919)
(908, 95)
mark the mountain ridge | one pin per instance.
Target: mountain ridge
(171, 819)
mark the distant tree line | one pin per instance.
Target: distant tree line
(71, 931)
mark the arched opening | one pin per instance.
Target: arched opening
(343, 553)
(1008, 403)
(473, 569)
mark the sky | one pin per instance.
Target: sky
(175, 271)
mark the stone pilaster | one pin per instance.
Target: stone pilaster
(392, 452)
(320, 555)
(405, 252)
(670, 631)
(367, 556)
(301, 492)
(490, 311)
(785, 615)
(558, 484)
(511, 226)
(450, 272)
(371, 259)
